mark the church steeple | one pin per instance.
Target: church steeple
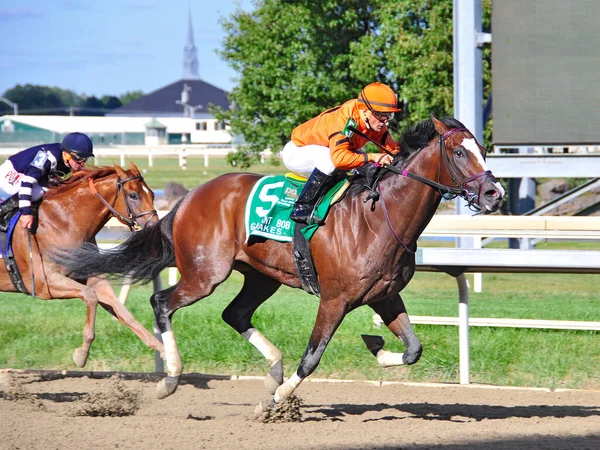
(190, 53)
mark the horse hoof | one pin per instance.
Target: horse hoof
(80, 357)
(166, 387)
(263, 406)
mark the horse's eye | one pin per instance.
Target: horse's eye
(459, 153)
(133, 195)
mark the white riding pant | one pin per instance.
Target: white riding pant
(303, 160)
(10, 183)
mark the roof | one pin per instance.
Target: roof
(154, 124)
(163, 101)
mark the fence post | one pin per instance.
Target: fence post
(182, 159)
(205, 158)
(150, 158)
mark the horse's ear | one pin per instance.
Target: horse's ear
(120, 172)
(134, 169)
(439, 125)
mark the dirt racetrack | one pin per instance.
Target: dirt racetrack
(49, 410)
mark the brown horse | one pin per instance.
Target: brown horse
(364, 254)
(72, 213)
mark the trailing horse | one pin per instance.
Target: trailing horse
(70, 214)
(363, 255)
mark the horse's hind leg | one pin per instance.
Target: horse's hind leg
(394, 315)
(162, 315)
(256, 289)
(108, 300)
(190, 289)
(58, 286)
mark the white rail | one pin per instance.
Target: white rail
(457, 262)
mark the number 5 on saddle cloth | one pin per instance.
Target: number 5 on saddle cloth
(270, 204)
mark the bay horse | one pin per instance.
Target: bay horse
(72, 213)
(363, 255)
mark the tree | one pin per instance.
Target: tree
(93, 106)
(41, 99)
(111, 102)
(130, 96)
(413, 45)
(294, 59)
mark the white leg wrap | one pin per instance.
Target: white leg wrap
(263, 345)
(286, 389)
(389, 359)
(174, 364)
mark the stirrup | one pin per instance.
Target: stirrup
(308, 219)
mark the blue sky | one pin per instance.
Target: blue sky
(110, 47)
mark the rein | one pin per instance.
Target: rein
(130, 221)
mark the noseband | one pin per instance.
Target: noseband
(131, 219)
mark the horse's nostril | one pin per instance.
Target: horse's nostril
(491, 193)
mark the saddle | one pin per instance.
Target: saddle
(9, 216)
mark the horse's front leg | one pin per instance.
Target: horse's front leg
(108, 299)
(393, 313)
(329, 317)
(238, 315)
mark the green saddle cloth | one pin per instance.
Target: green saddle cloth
(270, 204)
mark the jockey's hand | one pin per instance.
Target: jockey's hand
(380, 158)
(27, 221)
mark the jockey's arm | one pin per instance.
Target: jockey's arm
(343, 157)
(32, 175)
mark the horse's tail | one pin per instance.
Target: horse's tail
(141, 257)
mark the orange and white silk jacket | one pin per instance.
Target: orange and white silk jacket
(330, 129)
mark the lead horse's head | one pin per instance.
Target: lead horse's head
(466, 168)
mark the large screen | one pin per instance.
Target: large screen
(546, 72)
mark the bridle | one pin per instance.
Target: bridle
(131, 219)
(449, 192)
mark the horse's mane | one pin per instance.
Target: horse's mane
(412, 140)
(79, 177)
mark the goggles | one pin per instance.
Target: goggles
(383, 116)
(79, 159)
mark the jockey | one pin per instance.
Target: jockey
(328, 143)
(26, 173)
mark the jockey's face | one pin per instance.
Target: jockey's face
(375, 122)
(73, 162)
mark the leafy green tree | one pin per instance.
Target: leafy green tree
(298, 57)
(413, 47)
(111, 102)
(93, 106)
(37, 99)
(130, 96)
(295, 61)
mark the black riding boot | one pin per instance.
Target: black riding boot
(6, 210)
(316, 186)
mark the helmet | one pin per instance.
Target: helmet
(378, 97)
(79, 144)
